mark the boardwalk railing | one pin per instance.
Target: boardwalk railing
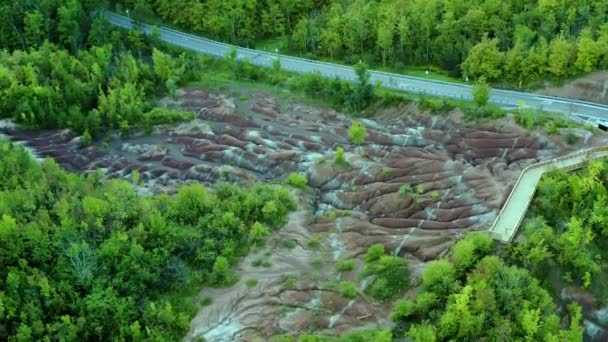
(506, 224)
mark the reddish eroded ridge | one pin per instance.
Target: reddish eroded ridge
(460, 175)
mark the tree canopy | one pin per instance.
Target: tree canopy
(87, 259)
(464, 37)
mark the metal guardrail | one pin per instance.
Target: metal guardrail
(588, 155)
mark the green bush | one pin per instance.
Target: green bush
(571, 138)
(402, 309)
(345, 265)
(405, 190)
(222, 275)
(473, 247)
(206, 301)
(251, 282)
(391, 277)
(481, 92)
(314, 242)
(347, 289)
(297, 180)
(357, 132)
(289, 281)
(440, 277)
(162, 115)
(526, 117)
(374, 252)
(339, 159)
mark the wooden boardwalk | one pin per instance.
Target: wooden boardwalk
(513, 211)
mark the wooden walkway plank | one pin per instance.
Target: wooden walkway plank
(514, 210)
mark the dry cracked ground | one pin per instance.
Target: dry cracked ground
(460, 174)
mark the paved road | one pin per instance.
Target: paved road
(580, 110)
(513, 211)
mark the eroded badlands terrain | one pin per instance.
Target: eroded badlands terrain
(460, 174)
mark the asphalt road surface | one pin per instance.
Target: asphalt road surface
(578, 110)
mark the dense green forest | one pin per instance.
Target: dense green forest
(88, 259)
(62, 68)
(567, 231)
(521, 42)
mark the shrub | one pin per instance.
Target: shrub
(571, 138)
(423, 332)
(314, 242)
(288, 243)
(162, 116)
(357, 133)
(440, 277)
(317, 263)
(258, 232)
(86, 138)
(289, 281)
(405, 190)
(222, 275)
(467, 251)
(420, 188)
(391, 277)
(251, 282)
(345, 265)
(374, 252)
(526, 117)
(403, 308)
(205, 301)
(347, 289)
(426, 301)
(339, 158)
(297, 180)
(481, 92)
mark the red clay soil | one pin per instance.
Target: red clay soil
(460, 175)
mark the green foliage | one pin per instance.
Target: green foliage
(251, 282)
(436, 106)
(481, 92)
(485, 61)
(440, 277)
(347, 289)
(423, 332)
(78, 250)
(206, 301)
(314, 242)
(339, 158)
(86, 138)
(571, 138)
(469, 250)
(568, 224)
(374, 252)
(357, 132)
(363, 92)
(297, 180)
(527, 41)
(402, 309)
(258, 232)
(345, 265)
(526, 117)
(405, 190)
(495, 301)
(162, 116)
(289, 281)
(390, 273)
